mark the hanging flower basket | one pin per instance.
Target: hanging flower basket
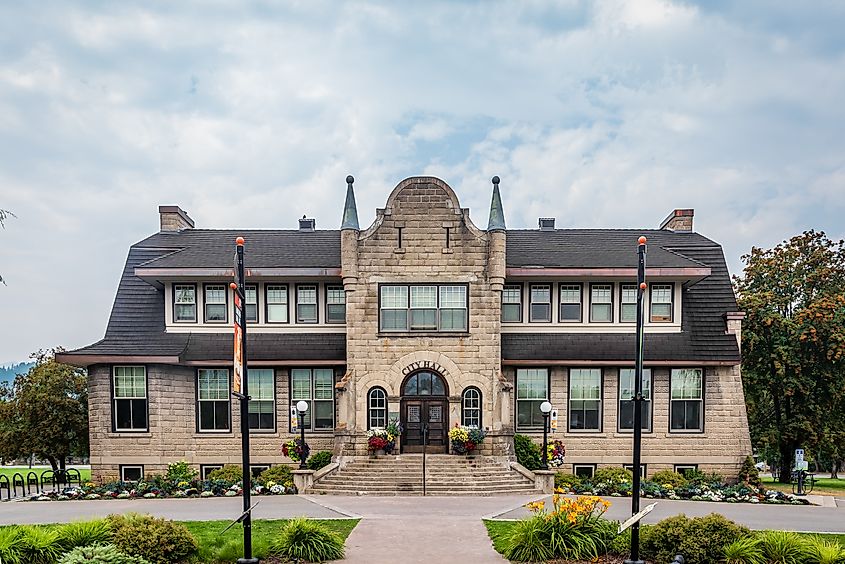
(556, 454)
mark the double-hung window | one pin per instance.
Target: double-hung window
(423, 307)
(627, 380)
(394, 308)
(585, 389)
(601, 303)
(252, 304)
(215, 303)
(512, 304)
(661, 303)
(453, 308)
(335, 304)
(129, 387)
(213, 405)
(306, 304)
(316, 387)
(184, 303)
(687, 400)
(540, 306)
(570, 302)
(471, 408)
(377, 409)
(262, 405)
(628, 303)
(532, 389)
(277, 303)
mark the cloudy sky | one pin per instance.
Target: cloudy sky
(606, 114)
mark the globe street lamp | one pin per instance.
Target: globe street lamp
(546, 409)
(302, 407)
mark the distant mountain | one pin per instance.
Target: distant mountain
(9, 371)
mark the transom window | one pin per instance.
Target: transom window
(471, 408)
(601, 303)
(130, 398)
(335, 304)
(277, 303)
(423, 308)
(377, 404)
(252, 304)
(315, 386)
(262, 402)
(306, 304)
(512, 304)
(687, 399)
(628, 305)
(532, 389)
(184, 303)
(540, 306)
(661, 303)
(215, 303)
(627, 379)
(585, 388)
(213, 400)
(570, 302)
(424, 384)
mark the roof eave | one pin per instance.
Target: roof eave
(154, 276)
(84, 360)
(647, 363)
(693, 274)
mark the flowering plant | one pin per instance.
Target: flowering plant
(380, 439)
(296, 450)
(465, 439)
(556, 452)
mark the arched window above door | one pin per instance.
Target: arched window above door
(424, 383)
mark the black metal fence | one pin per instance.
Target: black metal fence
(33, 483)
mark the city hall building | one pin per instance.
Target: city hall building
(425, 317)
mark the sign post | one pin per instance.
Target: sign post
(240, 385)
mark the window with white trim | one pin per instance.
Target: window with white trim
(627, 379)
(131, 472)
(684, 469)
(215, 303)
(630, 468)
(471, 408)
(252, 304)
(661, 303)
(394, 308)
(213, 403)
(262, 399)
(585, 387)
(184, 303)
(540, 303)
(584, 470)
(423, 308)
(512, 304)
(315, 386)
(532, 389)
(423, 311)
(277, 303)
(129, 391)
(628, 303)
(335, 304)
(601, 303)
(377, 405)
(686, 399)
(257, 469)
(206, 469)
(453, 308)
(570, 302)
(306, 304)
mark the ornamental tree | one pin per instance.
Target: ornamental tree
(793, 345)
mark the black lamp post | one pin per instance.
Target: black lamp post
(545, 409)
(302, 407)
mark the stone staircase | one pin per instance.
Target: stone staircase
(445, 475)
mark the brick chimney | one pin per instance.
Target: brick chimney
(174, 218)
(679, 220)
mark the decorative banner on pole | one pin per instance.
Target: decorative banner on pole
(237, 374)
(553, 424)
(294, 419)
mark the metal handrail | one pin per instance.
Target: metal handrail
(425, 447)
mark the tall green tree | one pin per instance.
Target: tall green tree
(793, 345)
(45, 412)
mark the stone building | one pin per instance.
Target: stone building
(426, 318)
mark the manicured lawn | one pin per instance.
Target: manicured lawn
(10, 471)
(824, 486)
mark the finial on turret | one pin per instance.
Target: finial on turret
(350, 210)
(497, 213)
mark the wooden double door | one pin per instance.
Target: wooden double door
(429, 414)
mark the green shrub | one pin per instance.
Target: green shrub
(748, 473)
(566, 481)
(231, 473)
(278, 474)
(180, 471)
(744, 551)
(83, 533)
(612, 475)
(302, 539)
(527, 452)
(11, 549)
(543, 537)
(697, 538)
(39, 545)
(782, 547)
(99, 554)
(821, 551)
(527, 541)
(669, 477)
(158, 540)
(319, 460)
(621, 543)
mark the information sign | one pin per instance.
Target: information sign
(294, 419)
(237, 375)
(553, 420)
(799, 455)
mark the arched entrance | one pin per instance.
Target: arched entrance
(425, 406)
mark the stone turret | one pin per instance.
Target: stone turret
(496, 233)
(349, 239)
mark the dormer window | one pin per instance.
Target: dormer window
(215, 303)
(661, 303)
(184, 303)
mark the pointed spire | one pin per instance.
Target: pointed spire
(350, 211)
(497, 213)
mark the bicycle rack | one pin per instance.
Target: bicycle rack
(4, 483)
(51, 478)
(15, 482)
(70, 472)
(32, 480)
